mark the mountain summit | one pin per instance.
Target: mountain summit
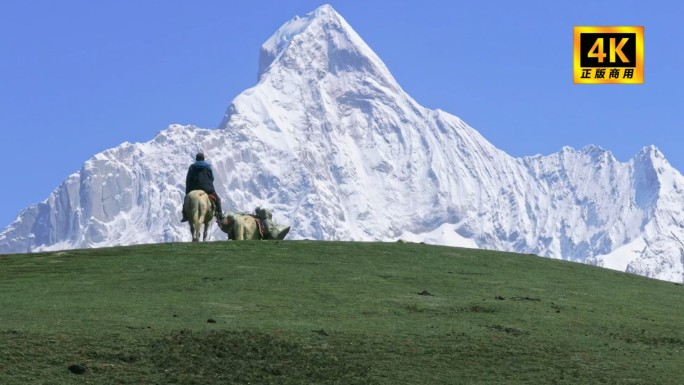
(330, 141)
(322, 42)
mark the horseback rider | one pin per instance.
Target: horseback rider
(201, 177)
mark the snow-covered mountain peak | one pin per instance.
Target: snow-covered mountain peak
(320, 43)
(653, 168)
(590, 151)
(596, 152)
(656, 174)
(280, 40)
(316, 75)
(651, 157)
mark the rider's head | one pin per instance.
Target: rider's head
(199, 156)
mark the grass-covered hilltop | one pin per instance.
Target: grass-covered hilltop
(307, 312)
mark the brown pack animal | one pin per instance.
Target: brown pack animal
(199, 211)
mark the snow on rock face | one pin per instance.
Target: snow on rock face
(330, 142)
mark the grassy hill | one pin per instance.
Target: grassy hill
(301, 312)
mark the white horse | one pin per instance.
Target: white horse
(199, 210)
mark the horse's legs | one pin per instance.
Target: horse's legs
(198, 227)
(206, 230)
(192, 231)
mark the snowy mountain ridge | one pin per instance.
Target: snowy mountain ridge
(330, 141)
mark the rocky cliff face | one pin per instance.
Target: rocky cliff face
(330, 141)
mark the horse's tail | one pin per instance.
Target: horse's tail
(197, 214)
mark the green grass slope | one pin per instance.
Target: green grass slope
(300, 312)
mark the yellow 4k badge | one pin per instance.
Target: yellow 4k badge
(609, 55)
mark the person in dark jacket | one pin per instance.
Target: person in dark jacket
(201, 177)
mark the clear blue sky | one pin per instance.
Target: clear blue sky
(78, 77)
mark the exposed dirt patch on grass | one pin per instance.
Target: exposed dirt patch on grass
(531, 299)
(509, 330)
